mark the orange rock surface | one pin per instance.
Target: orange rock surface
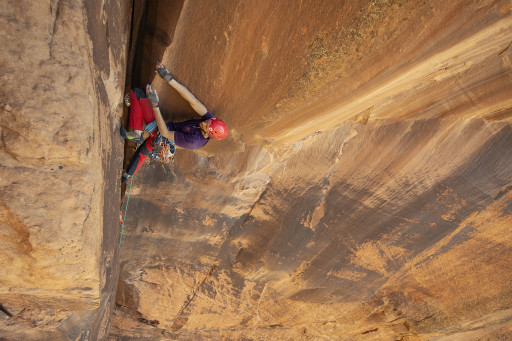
(364, 192)
(63, 69)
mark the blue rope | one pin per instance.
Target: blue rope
(125, 210)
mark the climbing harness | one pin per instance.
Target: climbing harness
(163, 149)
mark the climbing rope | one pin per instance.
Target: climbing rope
(125, 210)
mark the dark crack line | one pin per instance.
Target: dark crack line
(425, 318)
(503, 192)
(370, 331)
(5, 311)
(505, 49)
(54, 8)
(212, 270)
(256, 202)
(262, 326)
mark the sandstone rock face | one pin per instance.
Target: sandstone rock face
(363, 193)
(62, 71)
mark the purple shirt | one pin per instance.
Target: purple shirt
(188, 134)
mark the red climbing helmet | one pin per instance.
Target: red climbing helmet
(217, 129)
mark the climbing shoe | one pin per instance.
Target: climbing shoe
(133, 135)
(127, 99)
(125, 177)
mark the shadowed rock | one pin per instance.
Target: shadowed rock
(364, 191)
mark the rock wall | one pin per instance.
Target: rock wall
(62, 69)
(363, 193)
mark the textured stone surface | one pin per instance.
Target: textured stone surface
(62, 70)
(364, 191)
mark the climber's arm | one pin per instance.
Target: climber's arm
(194, 102)
(181, 89)
(162, 127)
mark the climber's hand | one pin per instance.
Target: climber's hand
(163, 72)
(152, 96)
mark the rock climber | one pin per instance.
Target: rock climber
(190, 134)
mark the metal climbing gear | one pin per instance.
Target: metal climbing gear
(163, 149)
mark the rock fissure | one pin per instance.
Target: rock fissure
(364, 190)
(5, 311)
(54, 12)
(212, 270)
(505, 49)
